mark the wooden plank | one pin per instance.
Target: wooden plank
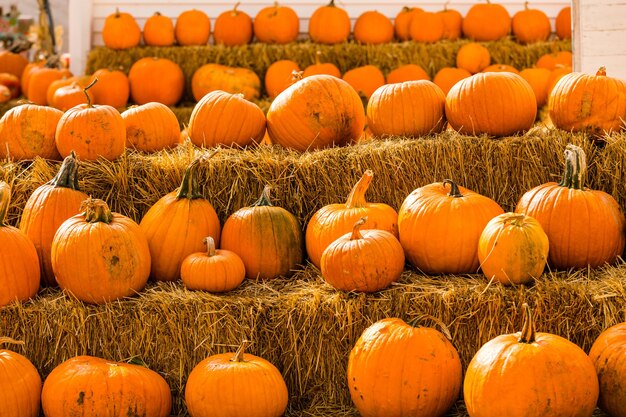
(81, 34)
(604, 42)
(612, 16)
(615, 65)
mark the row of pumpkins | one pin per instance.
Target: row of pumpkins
(393, 370)
(68, 239)
(331, 24)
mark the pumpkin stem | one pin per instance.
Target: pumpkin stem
(454, 189)
(526, 5)
(96, 210)
(5, 200)
(515, 218)
(296, 76)
(527, 334)
(575, 172)
(95, 80)
(210, 246)
(601, 72)
(117, 12)
(189, 187)
(356, 229)
(235, 12)
(444, 329)
(8, 340)
(331, 4)
(67, 177)
(264, 200)
(356, 198)
(239, 354)
(318, 54)
(445, 6)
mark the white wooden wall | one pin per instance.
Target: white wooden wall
(86, 33)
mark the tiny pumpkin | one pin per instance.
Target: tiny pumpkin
(321, 68)
(12, 82)
(211, 77)
(112, 88)
(64, 98)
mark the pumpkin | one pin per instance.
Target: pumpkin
(501, 68)
(279, 76)
(233, 27)
(402, 22)
(64, 98)
(83, 81)
(28, 71)
(158, 30)
(411, 109)
(426, 27)
(554, 60)
(335, 220)
(47, 208)
(91, 131)
(440, 230)
(221, 118)
(556, 74)
(316, 112)
(493, 103)
(120, 31)
(217, 384)
(408, 72)
(452, 23)
(585, 227)
(267, 238)
(607, 354)
(112, 88)
(20, 384)
(211, 77)
(13, 63)
(363, 262)
(365, 80)
(214, 270)
(530, 25)
(39, 81)
(373, 28)
(513, 249)
(176, 224)
(5, 94)
(18, 258)
(397, 370)
(487, 22)
(276, 24)
(559, 378)
(147, 76)
(473, 57)
(446, 77)
(321, 68)
(11, 82)
(563, 23)
(151, 127)
(87, 385)
(27, 131)
(538, 79)
(193, 27)
(329, 24)
(582, 102)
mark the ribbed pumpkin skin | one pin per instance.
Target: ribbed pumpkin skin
(20, 386)
(513, 249)
(608, 355)
(396, 370)
(120, 31)
(487, 22)
(100, 262)
(217, 385)
(276, 24)
(47, 208)
(151, 127)
(148, 78)
(548, 376)
(334, 220)
(216, 270)
(28, 131)
(221, 118)
(588, 102)
(316, 112)
(411, 109)
(440, 232)
(90, 386)
(211, 77)
(329, 24)
(268, 239)
(493, 103)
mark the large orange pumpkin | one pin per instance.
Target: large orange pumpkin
(158, 30)
(608, 354)
(121, 31)
(211, 77)
(28, 130)
(397, 370)
(487, 22)
(276, 24)
(552, 376)
(148, 78)
(233, 27)
(20, 384)
(372, 28)
(585, 227)
(193, 27)
(151, 127)
(316, 112)
(329, 24)
(176, 224)
(440, 227)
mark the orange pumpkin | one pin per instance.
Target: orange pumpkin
(28, 131)
(20, 384)
(446, 77)
(66, 97)
(13, 63)
(39, 81)
(608, 354)
(473, 57)
(487, 22)
(365, 80)
(452, 23)
(211, 77)
(439, 230)
(411, 109)
(5, 94)
(12, 82)
(335, 220)
(531, 25)
(329, 24)
(176, 224)
(554, 60)
(147, 76)
(267, 238)
(408, 72)
(233, 28)
(574, 217)
(501, 68)
(112, 88)
(151, 127)
(426, 27)
(402, 22)
(321, 68)
(193, 27)
(214, 270)
(47, 208)
(83, 81)
(86, 385)
(279, 76)
(221, 118)
(563, 23)
(158, 30)
(538, 79)
(556, 74)
(372, 28)
(276, 24)
(28, 71)
(120, 31)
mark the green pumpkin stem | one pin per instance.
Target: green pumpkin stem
(189, 188)
(210, 246)
(5, 200)
(239, 354)
(67, 177)
(575, 172)
(528, 329)
(264, 200)
(454, 189)
(8, 340)
(356, 198)
(356, 229)
(96, 210)
(95, 80)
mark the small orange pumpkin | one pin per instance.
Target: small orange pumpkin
(276, 24)
(373, 28)
(530, 25)
(158, 30)
(329, 24)
(279, 76)
(501, 68)
(211, 77)
(402, 22)
(487, 22)
(13, 63)
(408, 72)
(20, 383)
(554, 60)
(151, 127)
(121, 31)
(233, 27)
(147, 76)
(538, 78)
(193, 27)
(321, 68)
(12, 83)
(427, 27)
(473, 57)
(64, 98)
(563, 23)
(448, 76)
(452, 23)
(365, 80)
(112, 88)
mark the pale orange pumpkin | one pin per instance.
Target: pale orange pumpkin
(211, 77)
(28, 131)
